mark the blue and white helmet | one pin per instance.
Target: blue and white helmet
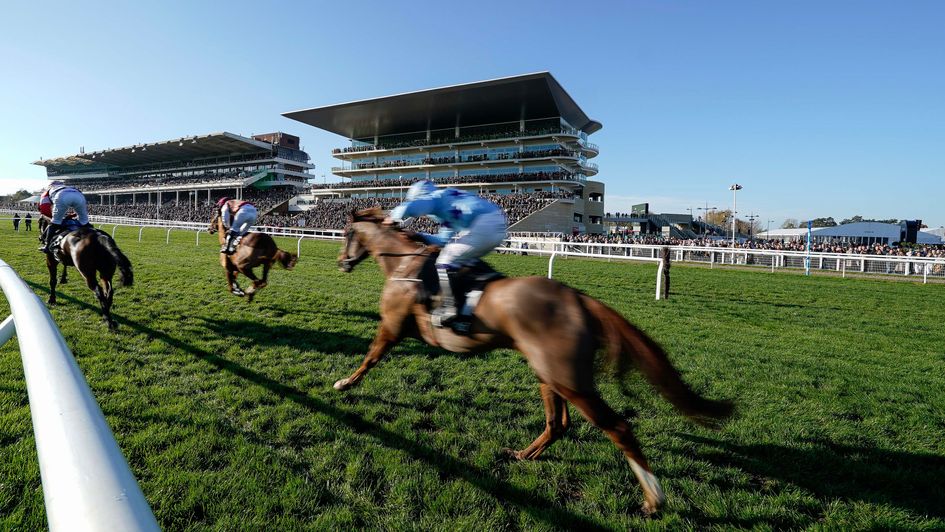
(420, 188)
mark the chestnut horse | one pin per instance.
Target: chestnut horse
(91, 252)
(556, 327)
(254, 249)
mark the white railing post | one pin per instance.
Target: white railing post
(168, 239)
(298, 246)
(551, 263)
(139, 233)
(113, 230)
(7, 330)
(87, 484)
(198, 238)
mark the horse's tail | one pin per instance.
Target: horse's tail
(624, 341)
(124, 265)
(286, 259)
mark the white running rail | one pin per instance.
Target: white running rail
(87, 484)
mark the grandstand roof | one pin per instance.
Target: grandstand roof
(529, 96)
(181, 149)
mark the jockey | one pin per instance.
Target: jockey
(478, 223)
(54, 203)
(238, 216)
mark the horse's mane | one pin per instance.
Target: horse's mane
(376, 215)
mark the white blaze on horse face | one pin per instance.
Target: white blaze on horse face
(649, 482)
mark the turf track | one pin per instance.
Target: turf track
(226, 414)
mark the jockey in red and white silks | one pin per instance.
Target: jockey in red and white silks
(55, 203)
(238, 217)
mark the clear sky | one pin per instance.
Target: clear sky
(818, 108)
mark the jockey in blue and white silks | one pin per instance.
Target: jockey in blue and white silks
(238, 217)
(478, 225)
(55, 203)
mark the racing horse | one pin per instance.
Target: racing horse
(557, 328)
(254, 249)
(96, 256)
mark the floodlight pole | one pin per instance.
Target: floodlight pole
(734, 188)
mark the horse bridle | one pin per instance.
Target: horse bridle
(350, 262)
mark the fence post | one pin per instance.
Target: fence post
(662, 275)
(198, 238)
(113, 230)
(7, 330)
(168, 239)
(139, 233)
(844, 268)
(551, 263)
(298, 247)
(925, 276)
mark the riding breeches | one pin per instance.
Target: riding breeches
(243, 220)
(486, 232)
(69, 198)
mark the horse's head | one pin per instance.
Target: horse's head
(355, 249)
(214, 224)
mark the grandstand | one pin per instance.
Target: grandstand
(521, 141)
(173, 178)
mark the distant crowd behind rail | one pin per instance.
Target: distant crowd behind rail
(920, 250)
(333, 214)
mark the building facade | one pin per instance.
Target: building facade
(512, 138)
(189, 170)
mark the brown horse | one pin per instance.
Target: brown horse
(557, 328)
(254, 249)
(92, 252)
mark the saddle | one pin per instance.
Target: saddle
(69, 226)
(471, 278)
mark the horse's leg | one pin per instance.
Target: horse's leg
(51, 265)
(89, 274)
(251, 289)
(557, 422)
(265, 275)
(108, 293)
(62, 278)
(602, 416)
(383, 342)
(230, 270)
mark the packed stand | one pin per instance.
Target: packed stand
(416, 143)
(456, 180)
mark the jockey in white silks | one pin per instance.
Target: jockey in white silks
(477, 224)
(55, 203)
(238, 217)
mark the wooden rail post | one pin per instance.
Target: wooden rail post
(662, 275)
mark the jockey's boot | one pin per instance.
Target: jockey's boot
(228, 244)
(445, 314)
(48, 235)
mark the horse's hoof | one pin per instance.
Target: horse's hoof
(649, 510)
(510, 454)
(342, 385)
(238, 292)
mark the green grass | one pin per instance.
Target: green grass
(226, 414)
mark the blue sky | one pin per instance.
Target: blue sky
(817, 108)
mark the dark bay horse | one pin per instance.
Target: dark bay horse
(255, 249)
(97, 257)
(557, 328)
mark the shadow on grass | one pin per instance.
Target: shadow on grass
(540, 508)
(909, 481)
(288, 335)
